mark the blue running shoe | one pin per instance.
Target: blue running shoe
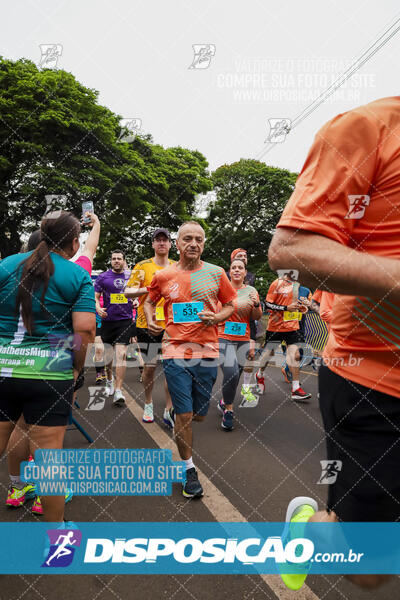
(192, 488)
(227, 420)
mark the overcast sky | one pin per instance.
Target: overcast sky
(271, 60)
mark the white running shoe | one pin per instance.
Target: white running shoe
(168, 418)
(148, 416)
(119, 398)
(110, 387)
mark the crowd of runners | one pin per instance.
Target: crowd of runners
(191, 318)
(211, 317)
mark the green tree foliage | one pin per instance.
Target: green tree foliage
(56, 139)
(250, 199)
(178, 175)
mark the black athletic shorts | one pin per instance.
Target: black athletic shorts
(116, 332)
(41, 401)
(150, 345)
(80, 381)
(133, 331)
(362, 432)
(290, 337)
(301, 330)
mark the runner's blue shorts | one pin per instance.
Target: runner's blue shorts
(190, 386)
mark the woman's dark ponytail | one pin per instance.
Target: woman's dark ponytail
(58, 230)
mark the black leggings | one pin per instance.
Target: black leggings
(232, 356)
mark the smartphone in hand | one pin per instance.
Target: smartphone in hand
(87, 207)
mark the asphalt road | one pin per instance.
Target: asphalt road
(272, 455)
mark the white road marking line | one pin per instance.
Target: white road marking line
(219, 506)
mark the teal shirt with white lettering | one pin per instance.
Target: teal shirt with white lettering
(47, 353)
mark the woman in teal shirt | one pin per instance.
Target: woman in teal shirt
(47, 320)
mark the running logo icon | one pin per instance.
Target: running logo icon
(174, 290)
(204, 203)
(278, 130)
(330, 471)
(61, 352)
(119, 283)
(129, 129)
(203, 53)
(96, 398)
(62, 547)
(53, 203)
(50, 55)
(293, 274)
(249, 396)
(357, 206)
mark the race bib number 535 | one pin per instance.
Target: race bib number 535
(186, 312)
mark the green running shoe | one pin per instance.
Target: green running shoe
(37, 507)
(17, 497)
(300, 510)
(249, 400)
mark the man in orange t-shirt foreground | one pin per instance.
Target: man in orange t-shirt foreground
(191, 289)
(283, 326)
(340, 230)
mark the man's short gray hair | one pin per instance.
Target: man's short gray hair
(189, 223)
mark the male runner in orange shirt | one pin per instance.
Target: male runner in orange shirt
(192, 290)
(340, 230)
(283, 326)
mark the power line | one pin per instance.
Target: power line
(344, 77)
(350, 70)
(365, 56)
